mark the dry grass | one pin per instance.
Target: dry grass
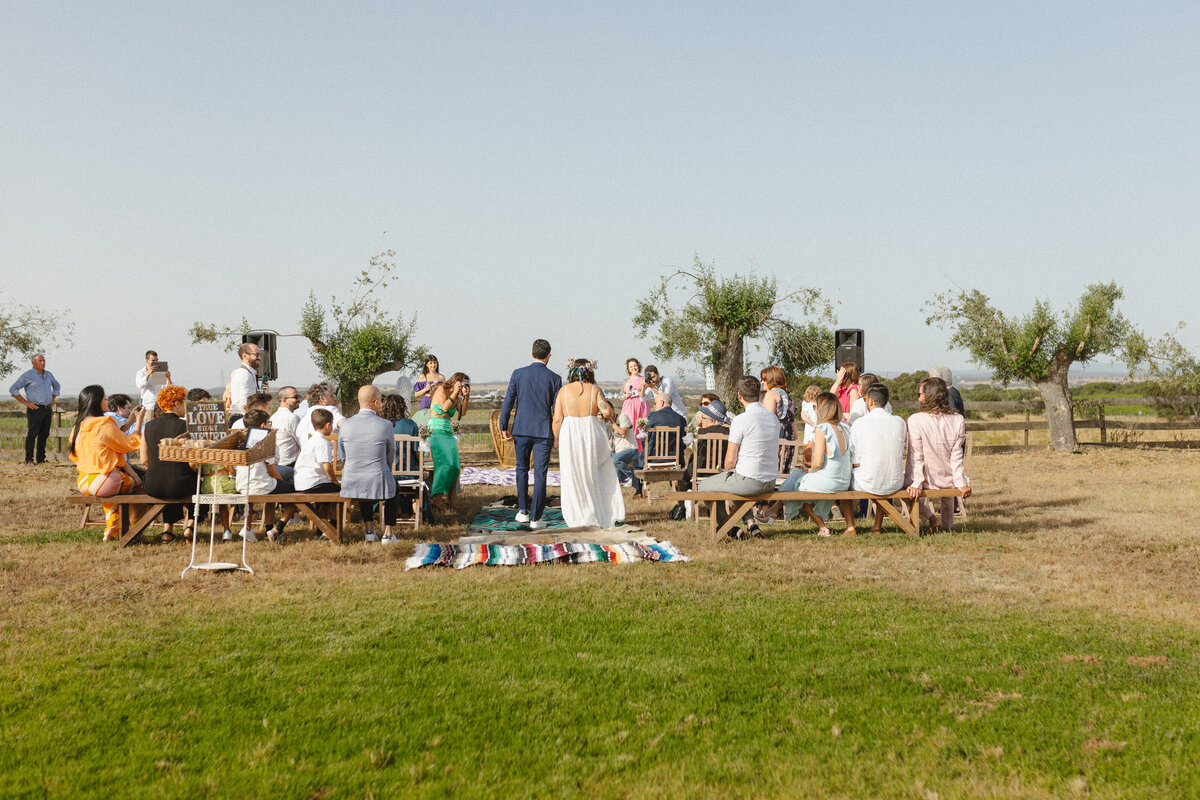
(1107, 531)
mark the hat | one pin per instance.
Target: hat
(716, 411)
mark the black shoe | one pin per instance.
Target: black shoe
(678, 512)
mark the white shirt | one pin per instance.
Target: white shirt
(287, 446)
(256, 476)
(808, 411)
(315, 451)
(858, 410)
(756, 432)
(305, 427)
(667, 386)
(243, 382)
(622, 443)
(148, 384)
(878, 440)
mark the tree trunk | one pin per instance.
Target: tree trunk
(728, 366)
(1059, 414)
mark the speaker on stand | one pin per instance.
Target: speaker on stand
(848, 346)
(268, 368)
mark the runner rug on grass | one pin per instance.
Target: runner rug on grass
(500, 477)
(461, 556)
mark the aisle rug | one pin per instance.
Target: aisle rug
(500, 477)
(501, 540)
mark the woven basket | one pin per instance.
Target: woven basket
(506, 452)
(228, 451)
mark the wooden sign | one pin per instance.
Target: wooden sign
(206, 419)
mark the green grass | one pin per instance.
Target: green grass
(652, 680)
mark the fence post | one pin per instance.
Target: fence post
(1027, 418)
(1103, 429)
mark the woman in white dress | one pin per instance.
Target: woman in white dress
(590, 491)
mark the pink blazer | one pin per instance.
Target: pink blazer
(935, 451)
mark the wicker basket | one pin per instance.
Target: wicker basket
(228, 451)
(506, 452)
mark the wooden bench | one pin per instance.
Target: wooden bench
(907, 515)
(304, 501)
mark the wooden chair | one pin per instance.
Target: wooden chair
(666, 465)
(506, 453)
(789, 449)
(707, 460)
(409, 471)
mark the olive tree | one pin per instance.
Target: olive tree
(1041, 346)
(700, 316)
(23, 328)
(352, 341)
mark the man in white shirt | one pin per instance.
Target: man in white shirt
(319, 395)
(879, 441)
(752, 459)
(243, 382)
(664, 385)
(284, 422)
(858, 409)
(150, 379)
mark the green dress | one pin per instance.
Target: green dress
(443, 448)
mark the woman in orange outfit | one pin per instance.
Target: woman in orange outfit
(97, 448)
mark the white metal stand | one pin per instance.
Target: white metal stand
(213, 500)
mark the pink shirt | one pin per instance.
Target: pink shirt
(935, 451)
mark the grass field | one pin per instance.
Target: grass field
(1047, 649)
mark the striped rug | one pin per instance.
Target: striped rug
(461, 556)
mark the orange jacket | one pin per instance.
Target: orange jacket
(99, 446)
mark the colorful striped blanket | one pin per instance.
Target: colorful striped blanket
(461, 556)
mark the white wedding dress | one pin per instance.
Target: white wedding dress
(590, 492)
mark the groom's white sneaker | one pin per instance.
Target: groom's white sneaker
(537, 525)
(522, 516)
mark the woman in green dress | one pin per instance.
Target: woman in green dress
(452, 397)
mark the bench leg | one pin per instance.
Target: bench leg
(131, 532)
(900, 519)
(741, 509)
(323, 525)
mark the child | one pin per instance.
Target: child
(808, 411)
(314, 467)
(262, 477)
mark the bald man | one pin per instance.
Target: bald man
(367, 450)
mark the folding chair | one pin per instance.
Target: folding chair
(708, 459)
(409, 469)
(667, 462)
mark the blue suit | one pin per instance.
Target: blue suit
(533, 389)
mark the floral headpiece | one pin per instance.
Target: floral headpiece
(573, 368)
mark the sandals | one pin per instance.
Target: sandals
(167, 538)
(824, 532)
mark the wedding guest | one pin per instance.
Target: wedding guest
(624, 446)
(262, 477)
(956, 401)
(41, 389)
(777, 400)
(752, 457)
(150, 379)
(97, 446)
(395, 411)
(936, 437)
(120, 408)
(879, 440)
(633, 405)
(859, 408)
(449, 399)
(427, 382)
(845, 387)
(367, 449)
(168, 480)
(808, 411)
(663, 416)
(319, 395)
(243, 381)
(314, 466)
(661, 384)
(829, 471)
(284, 422)
(713, 419)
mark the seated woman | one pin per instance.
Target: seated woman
(829, 471)
(395, 411)
(452, 397)
(98, 447)
(777, 400)
(168, 480)
(936, 436)
(846, 386)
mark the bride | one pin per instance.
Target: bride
(590, 492)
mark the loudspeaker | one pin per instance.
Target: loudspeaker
(848, 346)
(268, 369)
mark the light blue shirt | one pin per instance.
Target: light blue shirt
(40, 389)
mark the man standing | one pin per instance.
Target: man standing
(284, 422)
(243, 382)
(533, 389)
(41, 389)
(878, 439)
(752, 459)
(150, 379)
(664, 385)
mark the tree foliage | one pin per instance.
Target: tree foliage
(23, 328)
(697, 315)
(353, 340)
(1041, 346)
(1174, 372)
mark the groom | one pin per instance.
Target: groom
(533, 389)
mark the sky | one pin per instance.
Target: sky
(538, 166)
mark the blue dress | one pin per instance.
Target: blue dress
(833, 476)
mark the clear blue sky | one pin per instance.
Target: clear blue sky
(537, 166)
